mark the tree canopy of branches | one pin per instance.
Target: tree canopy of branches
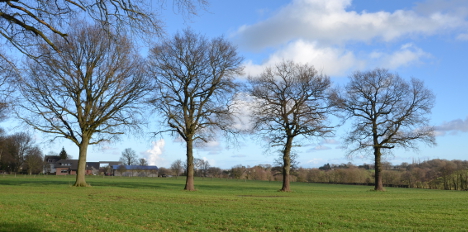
(194, 83)
(129, 157)
(88, 93)
(142, 162)
(387, 111)
(292, 102)
(23, 22)
(7, 75)
(176, 167)
(34, 160)
(14, 150)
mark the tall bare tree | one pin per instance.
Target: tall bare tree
(387, 111)
(292, 102)
(88, 93)
(194, 78)
(129, 157)
(24, 22)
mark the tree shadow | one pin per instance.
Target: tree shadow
(21, 227)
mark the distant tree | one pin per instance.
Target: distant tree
(176, 167)
(87, 93)
(34, 160)
(129, 157)
(194, 83)
(387, 111)
(163, 172)
(325, 167)
(18, 146)
(292, 103)
(238, 171)
(63, 154)
(142, 162)
(215, 172)
(204, 166)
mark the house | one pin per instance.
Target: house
(92, 168)
(66, 167)
(70, 167)
(134, 170)
(49, 163)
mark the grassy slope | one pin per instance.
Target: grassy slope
(142, 204)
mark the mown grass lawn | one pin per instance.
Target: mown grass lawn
(159, 204)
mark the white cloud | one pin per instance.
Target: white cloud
(212, 147)
(154, 155)
(463, 36)
(339, 61)
(453, 127)
(408, 54)
(319, 148)
(329, 22)
(315, 161)
(330, 61)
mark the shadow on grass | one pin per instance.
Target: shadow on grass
(94, 182)
(21, 227)
(143, 183)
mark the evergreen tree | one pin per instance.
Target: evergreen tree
(63, 154)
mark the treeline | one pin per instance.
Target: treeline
(19, 154)
(430, 174)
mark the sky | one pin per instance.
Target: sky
(427, 40)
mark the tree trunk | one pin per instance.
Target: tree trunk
(80, 175)
(286, 165)
(189, 186)
(378, 170)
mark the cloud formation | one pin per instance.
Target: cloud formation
(452, 127)
(154, 155)
(321, 32)
(329, 22)
(212, 147)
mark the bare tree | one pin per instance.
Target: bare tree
(8, 73)
(34, 160)
(88, 93)
(18, 146)
(23, 22)
(194, 78)
(387, 111)
(292, 102)
(176, 167)
(142, 162)
(129, 157)
(203, 167)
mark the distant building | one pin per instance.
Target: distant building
(56, 166)
(49, 163)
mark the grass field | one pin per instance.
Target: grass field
(160, 204)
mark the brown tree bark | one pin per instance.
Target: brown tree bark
(287, 165)
(378, 171)
(80, 174)
(189, 184)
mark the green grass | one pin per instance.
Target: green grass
(160, 204)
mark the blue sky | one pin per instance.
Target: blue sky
(423, 39)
